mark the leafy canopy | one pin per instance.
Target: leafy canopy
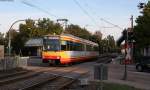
(142, 29)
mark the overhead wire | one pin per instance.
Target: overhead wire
(38, 8)
(102, 19)
(111, 24)
(86, 12)
(90, 9)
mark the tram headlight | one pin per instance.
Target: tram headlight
(58, 57)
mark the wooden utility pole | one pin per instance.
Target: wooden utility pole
(132, 40)
(131, 23)
(129, 45)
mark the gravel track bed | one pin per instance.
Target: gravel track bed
(54, 85)
(41, 77)
(70, 76)
(10, 80)
(12, 71)
(25, 83)
(12, 74)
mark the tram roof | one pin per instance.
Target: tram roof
(75, 37)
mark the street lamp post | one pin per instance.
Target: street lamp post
(9, 36)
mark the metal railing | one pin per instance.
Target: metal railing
(9, 63)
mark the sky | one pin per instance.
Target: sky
(91, 14)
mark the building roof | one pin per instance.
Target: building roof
(34, 42)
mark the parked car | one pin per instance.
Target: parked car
(143, 63)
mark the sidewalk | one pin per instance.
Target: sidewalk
(139, 80)
(130, 83)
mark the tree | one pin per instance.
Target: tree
(47, 26)
(17, 41)
(142, 29)
(111, 43)
(78, 31)
(104, 45)
(122, 38)
(2, 39)
(31, 29)
(108, 44)
(43, 27)
(97, 38)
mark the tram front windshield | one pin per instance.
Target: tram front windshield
(51, 45)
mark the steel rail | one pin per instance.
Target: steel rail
(18, 78)
(15, 79)
(71, 81)
(13, 74)
(39, 84)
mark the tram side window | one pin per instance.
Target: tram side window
(82, 47)
(73, 46)
(96, 48)
(79, 47)
(89, 48)
(63, 45)
(68, 45)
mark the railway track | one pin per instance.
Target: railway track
(58, 84)
(104, 60)
(13, 74)
(41, 78)
(21, 75)
(17, 78)
(53, 83)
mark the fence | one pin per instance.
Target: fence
(13, 62)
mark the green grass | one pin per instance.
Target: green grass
(111, 86)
